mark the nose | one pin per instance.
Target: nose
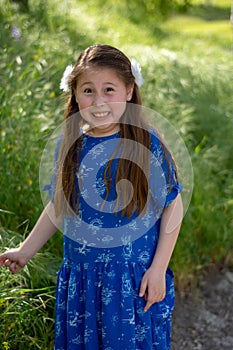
(99, 99)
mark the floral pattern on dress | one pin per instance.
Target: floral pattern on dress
(105, 256)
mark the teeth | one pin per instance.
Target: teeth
(99, 115)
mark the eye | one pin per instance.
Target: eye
(109, 89)
(88, 91)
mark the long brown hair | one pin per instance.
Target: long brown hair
(133, 157)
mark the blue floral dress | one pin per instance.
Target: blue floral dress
(105, 256)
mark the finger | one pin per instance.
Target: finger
(143, 287)
(13, 267)
(6, 262)
(150, 301)
(160, 296)
(2, 260)
(147, 306)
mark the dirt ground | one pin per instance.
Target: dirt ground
(203, 320)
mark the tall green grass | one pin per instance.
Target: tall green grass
(186, 63)
(195, 95)
(27, 300)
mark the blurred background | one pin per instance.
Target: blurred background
(185, 51)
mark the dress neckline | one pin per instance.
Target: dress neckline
(115, 134)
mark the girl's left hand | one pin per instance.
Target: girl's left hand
(153, 287)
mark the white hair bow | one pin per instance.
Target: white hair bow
(136, 71)
(65, 78)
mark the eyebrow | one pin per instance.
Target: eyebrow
(89, 82)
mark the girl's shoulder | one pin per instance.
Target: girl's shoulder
(155, 138)
(159, 147)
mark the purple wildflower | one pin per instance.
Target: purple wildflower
(16, 33)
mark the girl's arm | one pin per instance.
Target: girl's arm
(44, 229)
(153, 284)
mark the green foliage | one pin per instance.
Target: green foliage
(28, 112)
(27, 301)
(186, 64)
(195, 95)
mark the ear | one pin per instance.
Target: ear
(129, 92)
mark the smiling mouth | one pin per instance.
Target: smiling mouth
(100, 115)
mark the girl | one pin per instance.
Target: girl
(115, 192)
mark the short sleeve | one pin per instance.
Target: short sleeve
(164, 183)
(173, 186)
(51, 186)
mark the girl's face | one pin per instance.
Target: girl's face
(101, 96)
